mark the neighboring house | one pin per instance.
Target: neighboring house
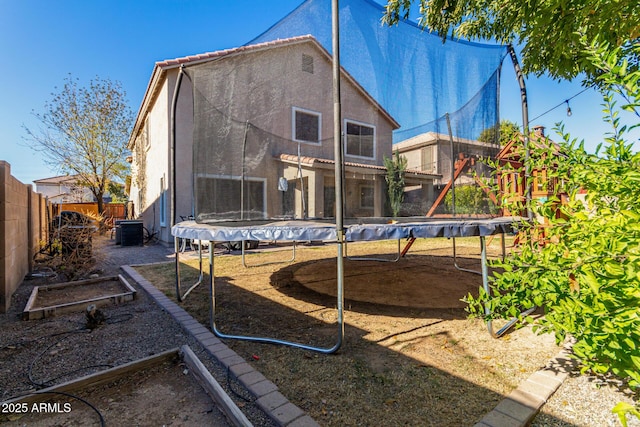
(64, 189)
(294, 174)
(431, 152)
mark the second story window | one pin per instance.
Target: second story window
(306, 126)
(360, 140)
(427, 162)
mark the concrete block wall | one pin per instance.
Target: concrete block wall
(21, 229)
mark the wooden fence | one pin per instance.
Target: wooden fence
(112, 211)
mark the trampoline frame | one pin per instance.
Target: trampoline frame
(245, 265)
(357, 258)
(359, 232)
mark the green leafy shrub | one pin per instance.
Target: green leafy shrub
(583, 266)
(470, 199)
(396, 167)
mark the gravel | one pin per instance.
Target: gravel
(584, 401)
(41, 353)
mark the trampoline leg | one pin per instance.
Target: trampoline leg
(396, 259)
(244, 263)
(267, 340)
(179, 295)
(485, 284)
(455, 259)
(176, 249)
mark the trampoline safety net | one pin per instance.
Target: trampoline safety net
(263, 145)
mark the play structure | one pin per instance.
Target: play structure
(289, 136)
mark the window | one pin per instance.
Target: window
(360, 140)
(307, 63)
(163, 204)
(144, 136)
(539, 179)
(306, 126)
(366, 197)
(140, 202)
(220, 198)
(427, 163)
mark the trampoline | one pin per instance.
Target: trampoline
(298, 231)
(273, 156)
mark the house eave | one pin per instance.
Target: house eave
(161, 68)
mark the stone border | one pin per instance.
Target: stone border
(268, 397)
(522, 405)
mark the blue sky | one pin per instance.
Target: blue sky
(43, 41)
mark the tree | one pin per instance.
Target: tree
(548, 31)
(396, 167)
(117, 191)
(500, 134)
(469, 200)
(583, 272)
(85, 132)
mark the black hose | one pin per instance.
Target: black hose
(102, 422)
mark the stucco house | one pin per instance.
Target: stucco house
(431, 152)
(64, 189)
(293, 176)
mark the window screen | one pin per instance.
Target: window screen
(307, 126)
(213, 198)
(359, 140)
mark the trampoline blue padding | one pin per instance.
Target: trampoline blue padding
(312, 230)
(298, 230)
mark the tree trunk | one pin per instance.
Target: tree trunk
(100, 203)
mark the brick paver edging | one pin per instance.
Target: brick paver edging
(268, 398)
(522, 405)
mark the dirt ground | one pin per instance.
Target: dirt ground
(55, 296)
(37, 354)
(410, 355)
(161, 395)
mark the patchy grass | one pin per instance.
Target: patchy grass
(399, 365)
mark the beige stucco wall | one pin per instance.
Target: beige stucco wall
(21, 227)
(64, 193)
(158, 165)
(272, 92)
(158, 159)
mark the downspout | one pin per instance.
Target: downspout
(174, 105)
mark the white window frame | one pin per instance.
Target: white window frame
(146, 139)
(429, 167)
(295, 110)
(369, 125)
